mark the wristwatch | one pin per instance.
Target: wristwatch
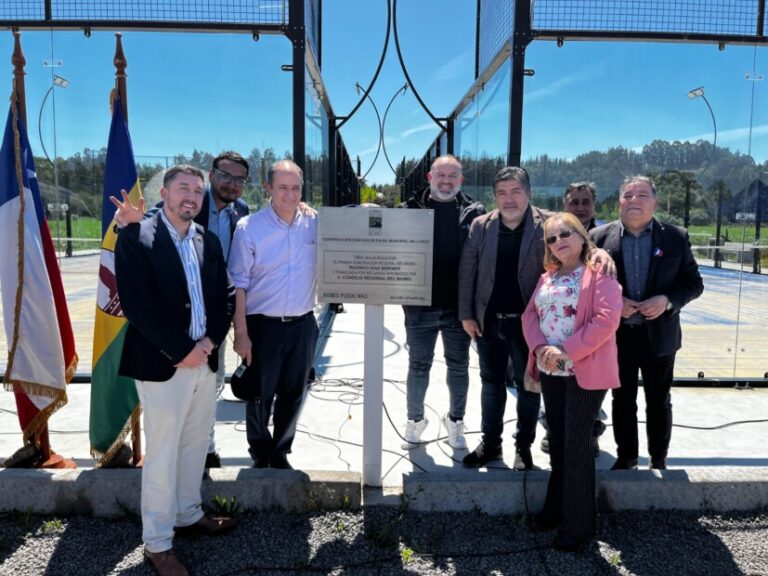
(669, 305)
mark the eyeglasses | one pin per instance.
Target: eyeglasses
(560, 235)
(226, 178)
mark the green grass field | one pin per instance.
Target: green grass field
(86, 233)
(701, 234)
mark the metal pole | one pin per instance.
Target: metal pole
(521, 37)
(756, 264)
(714, 122)
(68, 249)
(373, 378)
(718, 255)
(297, 35)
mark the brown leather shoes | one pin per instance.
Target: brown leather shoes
(208, 526)
(166, 563)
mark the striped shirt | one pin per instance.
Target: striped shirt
(186, 249)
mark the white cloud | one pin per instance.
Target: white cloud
(453, 69)
(391, 140)
(558, 85)
(429, 126)
(732, 135)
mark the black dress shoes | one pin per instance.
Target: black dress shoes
(261, 462)
(279, 461)
(481, 455)
(658, 463)
(166, 563)
(625, 464)
(523, 458)
(212, 460)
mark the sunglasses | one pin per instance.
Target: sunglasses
(560, 235)
(226, 178)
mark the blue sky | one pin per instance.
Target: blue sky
(216, 91)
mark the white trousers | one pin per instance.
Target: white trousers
(177, 418)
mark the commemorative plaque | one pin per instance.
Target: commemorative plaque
(375, 256)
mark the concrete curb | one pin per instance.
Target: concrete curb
(722, 489)
(114, 493)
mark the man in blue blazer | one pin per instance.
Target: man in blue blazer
(659, 275)
(175, 293)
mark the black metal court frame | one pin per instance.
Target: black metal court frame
(505, 28)
(298, 20)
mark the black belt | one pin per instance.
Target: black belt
(501, 316)
(284, 319)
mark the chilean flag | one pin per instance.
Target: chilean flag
(41, 346)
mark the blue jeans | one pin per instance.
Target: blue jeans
(502, 341)
(422, 324)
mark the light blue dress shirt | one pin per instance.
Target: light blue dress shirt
(219, 222)
(275, 263)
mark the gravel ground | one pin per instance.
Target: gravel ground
(396, 541)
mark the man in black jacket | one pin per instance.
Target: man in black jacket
(175, 293)
(659, 275)
(502, 260)
(454, 212)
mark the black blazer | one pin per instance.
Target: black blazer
(673, 272)
(154, 298)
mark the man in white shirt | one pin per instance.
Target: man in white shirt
(273, 264)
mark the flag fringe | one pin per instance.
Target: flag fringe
(104, 457)
(20, 230)
(40, 422)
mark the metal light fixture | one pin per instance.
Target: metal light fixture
(61, 82)
(699, 93)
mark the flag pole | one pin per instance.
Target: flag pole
(121, 85)
(19, 62)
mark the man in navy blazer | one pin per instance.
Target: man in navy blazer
(221, 210)
(659, 275)
(175, 293)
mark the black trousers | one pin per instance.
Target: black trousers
(635, 355)
(571, 489)
(502, 343)
(282, 353)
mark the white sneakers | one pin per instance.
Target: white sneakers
(455, 431)
(413, 432)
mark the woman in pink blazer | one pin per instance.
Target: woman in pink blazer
(570, 325)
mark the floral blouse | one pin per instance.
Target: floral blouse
(556, 303)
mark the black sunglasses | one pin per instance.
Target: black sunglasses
(226, 178)
(561, 235)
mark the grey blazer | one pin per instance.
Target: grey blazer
(477, 267)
